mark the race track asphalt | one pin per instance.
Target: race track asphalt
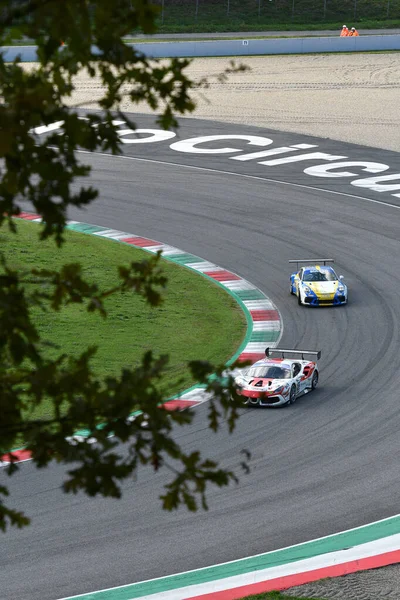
(328, 463)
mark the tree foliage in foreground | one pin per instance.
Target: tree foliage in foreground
(41, 172)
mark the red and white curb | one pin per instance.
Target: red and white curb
(366, 547)
(334, 564)
(264, 324)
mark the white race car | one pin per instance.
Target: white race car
(278, 381)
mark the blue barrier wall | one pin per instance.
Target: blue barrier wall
(27, 53)
(271, 46)
(244, 47)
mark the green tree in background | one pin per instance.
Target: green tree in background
(41, 171)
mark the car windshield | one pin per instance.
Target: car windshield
(319, 276)
(268, 372)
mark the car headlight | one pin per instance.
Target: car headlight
(341, 288)
(307, 289)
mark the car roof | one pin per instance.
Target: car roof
(273, 362)
(282, 362)
(315, 268)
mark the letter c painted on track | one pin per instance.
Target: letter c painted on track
(191, 145)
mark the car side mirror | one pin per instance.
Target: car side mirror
(341, 276)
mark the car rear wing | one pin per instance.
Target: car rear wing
(271, 351)
(315, 261)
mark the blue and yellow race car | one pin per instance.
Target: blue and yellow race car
(317, 284)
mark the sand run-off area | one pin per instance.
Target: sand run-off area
(348, 97)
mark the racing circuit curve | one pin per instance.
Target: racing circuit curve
(328, 463)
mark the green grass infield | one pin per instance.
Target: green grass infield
(198, 319)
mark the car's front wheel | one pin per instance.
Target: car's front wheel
(293, 395)
(314, 380)
(299, 298)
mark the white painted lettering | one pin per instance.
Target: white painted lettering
(300, 157)
(58, 124)
(325, 170)
(304, 146)
(191, 145)
(272, 152)
(95, 125)
(155, 135)
(375, 183)
(48, 128)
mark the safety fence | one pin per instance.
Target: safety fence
(218, 12)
